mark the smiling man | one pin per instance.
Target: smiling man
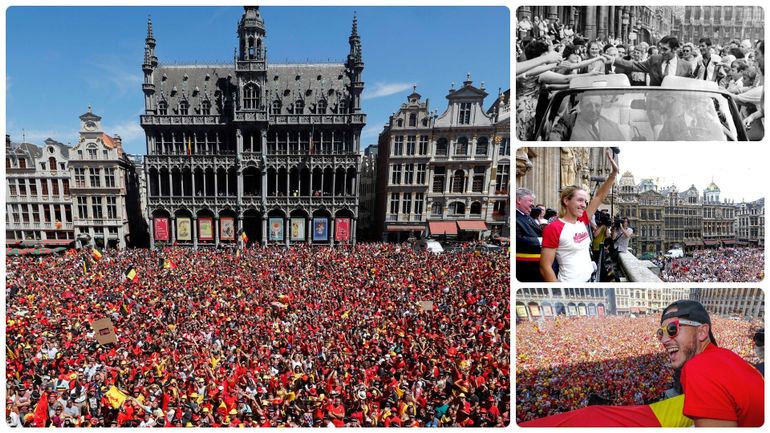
(720, 388)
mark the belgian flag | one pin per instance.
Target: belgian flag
(131, 274)
(96, 253)
(86, 265)
(665, 413)
(237, 253)
(244, 238)
(168, 264)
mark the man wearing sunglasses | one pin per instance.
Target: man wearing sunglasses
(720, 388)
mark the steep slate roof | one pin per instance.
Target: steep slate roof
(196, 83)
(28, 148)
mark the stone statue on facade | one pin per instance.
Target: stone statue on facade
(568, 172)
(523, 163)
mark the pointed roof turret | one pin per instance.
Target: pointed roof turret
(355, 42)
(149, 47)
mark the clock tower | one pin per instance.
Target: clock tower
(90, 125)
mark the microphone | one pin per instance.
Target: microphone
(615, 150)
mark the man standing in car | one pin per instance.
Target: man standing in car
(720, 388)
(657, 66)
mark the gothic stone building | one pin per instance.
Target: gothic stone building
(270, 149)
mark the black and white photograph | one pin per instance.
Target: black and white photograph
(639, 73)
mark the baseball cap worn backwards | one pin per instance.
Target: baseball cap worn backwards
(690, 310)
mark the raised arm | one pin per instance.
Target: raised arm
(526, 65)
(627, 65)
(605, 188)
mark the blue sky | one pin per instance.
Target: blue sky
(60, 60)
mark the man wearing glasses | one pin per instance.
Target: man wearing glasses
(720, 388)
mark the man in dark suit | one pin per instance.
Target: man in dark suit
(657, 66)
(590, 125)
(528, 238)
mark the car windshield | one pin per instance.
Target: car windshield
(639, 115)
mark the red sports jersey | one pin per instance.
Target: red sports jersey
(573, 248)
(719, 384)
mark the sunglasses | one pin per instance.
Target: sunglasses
(672, 329)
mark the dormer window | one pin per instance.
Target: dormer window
(184, 107)
(276, 106)
(206, 108)
(299, 106)
(412, 119)
(321, 107)
(162, 108)
(465, 114)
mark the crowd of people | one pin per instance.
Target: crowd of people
(549, 55)
(569, 363)
(715, 265)
(272, 337)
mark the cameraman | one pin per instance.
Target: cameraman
(603, 223)
(621, 234)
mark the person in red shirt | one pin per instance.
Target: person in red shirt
(720, 388)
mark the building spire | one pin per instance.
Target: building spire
(355, 42)
(149, 47)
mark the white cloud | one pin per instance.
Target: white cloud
(128, 130)
(38, 136)
(370, 134)
(115, 77)
(385, 89)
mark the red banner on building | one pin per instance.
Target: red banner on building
(161, 229)
(342, 229)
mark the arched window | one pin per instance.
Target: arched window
(250, 97)
(52, 164)
(321, 107)
(458, 181)
(482, 145)
(276, 106)
(299, 106)
(400, 122)
(476, 208)
(436, 209)
(162, 108)
(412, 119)
(206, 108)
(462, 146)
(184, 107)
(457, 208)
(441, 146)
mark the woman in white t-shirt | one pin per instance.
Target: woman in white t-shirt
(566, 240)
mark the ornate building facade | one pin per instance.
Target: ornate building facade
(666, 218)
(720, 23)
(630, 24)
(38, 196)
(750, 228)
(99, 169)
(270, 149)
(444, 175)
(534, 304)
(743, 303)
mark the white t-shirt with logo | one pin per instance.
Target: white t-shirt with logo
(573, 248)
